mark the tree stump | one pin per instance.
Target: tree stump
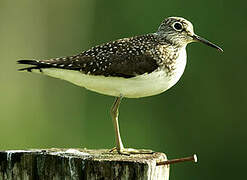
(56, 164)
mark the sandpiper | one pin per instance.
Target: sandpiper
(133, 67)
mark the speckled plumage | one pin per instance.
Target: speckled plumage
(128, 57)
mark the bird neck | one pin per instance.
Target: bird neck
(168, 39)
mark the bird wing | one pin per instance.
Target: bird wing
(126, 58)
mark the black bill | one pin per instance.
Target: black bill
(200, 39)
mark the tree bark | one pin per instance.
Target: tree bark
(56, 164)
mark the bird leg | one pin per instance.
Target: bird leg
(119, 145)
(114, 115)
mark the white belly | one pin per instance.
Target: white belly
(140, 86)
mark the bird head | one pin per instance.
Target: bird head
(180, 32)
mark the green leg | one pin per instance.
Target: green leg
(119, 145)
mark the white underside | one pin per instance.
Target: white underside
(139, 86)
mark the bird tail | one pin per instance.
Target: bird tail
(37, 65)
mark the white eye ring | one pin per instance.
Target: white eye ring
(177, 26)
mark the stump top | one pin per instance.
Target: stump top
(94, 154)
(81, 164)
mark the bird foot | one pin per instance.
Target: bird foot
(129, 151)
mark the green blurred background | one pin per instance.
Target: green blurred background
(205, 113)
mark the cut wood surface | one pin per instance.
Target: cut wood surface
(76, 164)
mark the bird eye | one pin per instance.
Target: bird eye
(177, 26)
